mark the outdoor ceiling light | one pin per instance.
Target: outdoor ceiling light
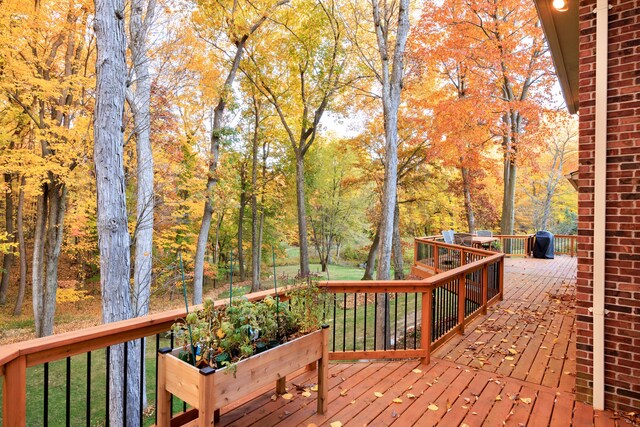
(561, 5)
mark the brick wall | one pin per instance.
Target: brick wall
(622, 294)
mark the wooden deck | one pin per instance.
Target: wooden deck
(514, 366)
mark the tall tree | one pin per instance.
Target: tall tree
(138, 96)
(299, 73)
(113, 234)
(242, 20)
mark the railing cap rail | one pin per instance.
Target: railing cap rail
(54, 347)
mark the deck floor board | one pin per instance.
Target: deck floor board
(513, 366)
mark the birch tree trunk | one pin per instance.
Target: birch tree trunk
(398, 262)
(23, 253)
(142, 13)
(113, 234)
(140, 20)
(391, 76)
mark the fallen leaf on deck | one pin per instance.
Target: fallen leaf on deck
(465, 407)
(433, 407)
(306, 394)
(287, 396)
(498, 398)
(513, 351)
(504, 340)
(352, 402)
(314, 388)
(336, 424)
(508, 358)
(344, 392)
(417, 371)
(411, 396)
(464, 425)
(397, 400)
(378, 394)
(274, 397)
(526, 400)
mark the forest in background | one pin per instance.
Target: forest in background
(238, 109)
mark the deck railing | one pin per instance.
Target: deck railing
(410, 318)
(434, 255)
(417, 316)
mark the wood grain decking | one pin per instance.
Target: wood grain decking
(514, 366)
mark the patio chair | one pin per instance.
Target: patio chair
(464, 239)
(448, 236)
(484, 233)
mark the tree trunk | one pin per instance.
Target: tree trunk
(391, 77)
(508, 211)
(7, 262)
(243, 204)
(371, 259)
(214, 154)
(57, 198)
(140, 101)
(466, 192)
(37, 269)
(113, 234)
(23, 253)
(142, 13)
(398, 262)
(255, 241)
(302, 216)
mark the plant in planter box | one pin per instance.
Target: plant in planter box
(238, 331)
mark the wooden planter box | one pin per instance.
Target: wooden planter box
(208, 390)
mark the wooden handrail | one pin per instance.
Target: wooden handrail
(55, 347)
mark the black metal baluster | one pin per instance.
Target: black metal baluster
(364, 344)
(88, 392)
(125, 385)
(375, 322)
(108, 375)
(395, 322)
(384, 323)
(46, 394)
(335, 296)
(171, 398)
(344, 322)
(405, 320)
(156, 381)
(355, 318)
(68, 394)
(142, 390)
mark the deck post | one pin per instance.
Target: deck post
(323, 373)
(573, 242)
(207, 414)
(462, 301)
(485, 287)
(163, 405)
(14, 395)
(425, 335)
(281, 385)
